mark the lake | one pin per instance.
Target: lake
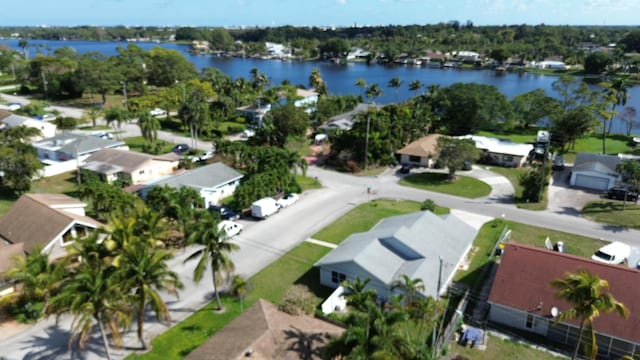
(340, 78)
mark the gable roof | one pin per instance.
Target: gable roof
(124, 160)
(268, 333)
(208, 176)
(410, 244)
(423, 147)
(525, 273)
(345, 120)
(34, 220)
(499, 146)
(71, 143)
(604, 164)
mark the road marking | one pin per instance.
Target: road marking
(321, 243)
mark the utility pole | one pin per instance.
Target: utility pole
(366, 143)
(434, 334)
(124, 92)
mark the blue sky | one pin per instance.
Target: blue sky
(319, 12)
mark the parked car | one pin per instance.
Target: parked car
(202, 157)
(224, 212)
(103, 135)
(558, 163)
(230, 228)
(14, 106)
(287, 200)
(613, 253)
(180, 148)
(264, 208)
(617, 193)
(467, 165)
(405, 169)
(158, 112)
(46, 117)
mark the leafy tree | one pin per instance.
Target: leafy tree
(165, 67)
(357, 293)
(362, 85)
(214, 253)
(630, 172)
(334, 47)
(131, 62)
(316, 82)
(286, 121)
(628, 117)
(631, 41)
(395, 83)
(178, 205)
(116, 115)
(66, 123)
(92, 114)
(428, 205)
(532, 182)
(617, 91)
(597, 62)
(18, 159)
(98, 74)
(373, 92)
(409, 287)
(499, 54)
(452, 153)
(589, 296)
(533, 106)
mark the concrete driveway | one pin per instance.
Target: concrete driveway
(564, 199)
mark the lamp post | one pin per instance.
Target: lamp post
(124, 92)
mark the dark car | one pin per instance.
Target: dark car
(467, 165)
(558, 163)
(180, 148)
(619, 194)
(224, 212)
(405, 169)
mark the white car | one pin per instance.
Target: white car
(612, 253)
(230, 228)
(202, 157)
(288, 200)
(158, 112)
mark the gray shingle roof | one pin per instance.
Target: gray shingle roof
(605, 164)
(67, 143)
(208, 176)
(410, 245)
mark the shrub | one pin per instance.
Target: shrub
(297, 300)
(428, 205)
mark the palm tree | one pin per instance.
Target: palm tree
(409, 287)
(115, 115)
(93, 114)
(239, 288)
(316, 82)
(144, 271)
(415, 85)
(618, 89)
(149, 126)
(357, 292)
(362, 85)
(630, 172)
(37, 276)
(373, 92)
(215, 251)
(395, 83)
(589, 296)
(92, 293)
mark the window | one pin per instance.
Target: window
(140, 172)
(414, 158)
(337, 277)
(507, 158)
(530, 321)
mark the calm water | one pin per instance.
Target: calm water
(340, 79)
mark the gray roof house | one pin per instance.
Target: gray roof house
(593, 171)
(67, 146)
(345, 121)
(214, 182)
(411, 245)
(11, 120)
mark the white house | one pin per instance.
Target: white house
(307, 99)
(213, 182)
(130, 166)
(501, 152)
(420, 245)
(46, 128)
(594, 171)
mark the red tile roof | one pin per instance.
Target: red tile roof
(525, 273)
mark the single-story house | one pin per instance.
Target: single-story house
(345, 120)
(7, 254)
(307, 99)
(594, 171)
(68, 146)
(264, 332)
(522, 298)
(10, 120)
(254, 113)
(550, 64)
(501, 152)
(51, 221)
(420, 245)
(213, 182)
(130, 166)
(421, 152)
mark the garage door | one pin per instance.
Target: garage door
(592, 182)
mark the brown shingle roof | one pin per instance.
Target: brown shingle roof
(423, 147)
(269, 333)
(33, 222)
(129, 161)
(525, 273)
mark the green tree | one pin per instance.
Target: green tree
(618, 91)
(281, 123)
(630, 172)
(409, 287)
(395, 83)
(362, 85)
(452, 153)
(415, 86)
(214, 253)
(116, 115)
(19, 161)
(66, 123)
(373, 92)
(316, 82)
(239, 288)
(164, 67)
(533, 106)
(589, 296)
(532, 182)
(499, 55)
(597, 62)
(149, 126)
(357, 293)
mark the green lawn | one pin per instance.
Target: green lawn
(610, 212)
(513, 175)
(363, 218)
(463, 186)
(498, 348)
(137, 143)
(308, 183)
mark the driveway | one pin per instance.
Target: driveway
(564, 199)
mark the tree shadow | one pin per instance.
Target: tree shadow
(307, 345)
(55, 345)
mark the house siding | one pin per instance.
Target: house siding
(517, 319)
(424, 161)
(351, 273)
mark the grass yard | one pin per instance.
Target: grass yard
(363, 218)
(137, 143)
(610, 212)
(513, 174)
(498, 348)
(308, 183)
(463, 186)
(372, 171)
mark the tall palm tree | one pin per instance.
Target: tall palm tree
(415, 85)
(395, 83)
(317, 82)
(618, 89)
(144, 271)
(215, 252)
(149, 126)
(92, 294)
(589, 296)
(409, 287)
(373, 92)
(362, 85)
(357, 292)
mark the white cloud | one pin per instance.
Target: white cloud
(341, 2)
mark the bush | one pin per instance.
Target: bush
(428, 205)
(297, 300)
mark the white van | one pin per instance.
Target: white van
(614, 253)
(264, 208)
(230, 228)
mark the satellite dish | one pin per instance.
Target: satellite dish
(554, 311)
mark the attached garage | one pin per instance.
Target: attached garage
(595, 172)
